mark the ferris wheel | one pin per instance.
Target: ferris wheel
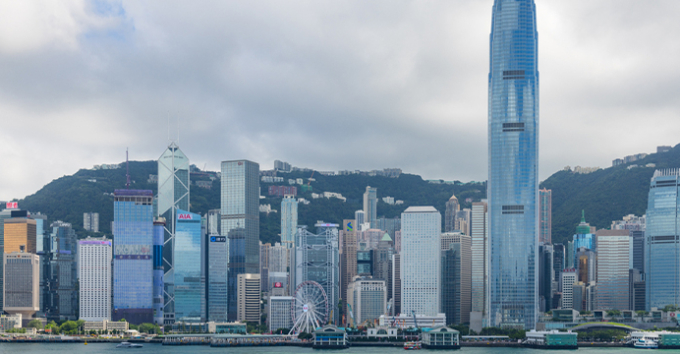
(309, 307)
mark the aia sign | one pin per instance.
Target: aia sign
(12, 205)
(278, 284)
(184, 217)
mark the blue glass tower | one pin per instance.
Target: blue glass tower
(662, 246)
(513, 165)
(158, 300)
(189, 280)
(132, 262)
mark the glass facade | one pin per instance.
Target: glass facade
(513, 165)
(189, 280)
(60, 296)
(545, 207)
(662, 241)
(217, 278)
(236, 266)
(371, 206)
(289, 220)
(133, 263)
(173, 195)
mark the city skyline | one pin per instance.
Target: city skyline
(86, 59)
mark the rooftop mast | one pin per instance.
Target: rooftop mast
(127, 167)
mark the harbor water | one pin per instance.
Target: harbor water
(96, 348)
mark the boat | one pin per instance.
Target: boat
(646, 343)
(129, 345)
(412, 345)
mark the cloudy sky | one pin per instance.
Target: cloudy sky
(324, 84)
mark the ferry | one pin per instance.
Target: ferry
(646, 343)
(412, 345)
(129, 345)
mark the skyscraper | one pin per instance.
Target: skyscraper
(158, 271)
(452, 208)
(546, 276)
(368, 298)
(479, 236)
(348, 259)
(217, 278)
(173, 194)
(420, 265)
(60, 294)
(21, 276)
(371, 206)
(240, 223)
(289, 220)
(545, 216)
(613, 265)
(513, 165)
(662, 246)
(94, 261)
(189, 278)
(456, 277)
(133, 263)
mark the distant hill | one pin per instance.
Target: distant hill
(605, 195)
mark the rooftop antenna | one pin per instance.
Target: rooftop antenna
(168, 127)
(127, 167)
(177, 129)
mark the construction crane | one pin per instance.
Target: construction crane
(351, 314)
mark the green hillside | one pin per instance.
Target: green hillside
(605, 195)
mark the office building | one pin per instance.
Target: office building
(94, 262)
(371, 206)
(456, 277)
(348, 258)
(264, 265)
(570, 257)
(365, 262)
(278, 284)
(382, 262)
(214, 223)
(613, 264)
(567, 281)
(217, 278)
(133, 263)
(463, 221)
(22, 281)
(279, 315)
(637, 243)
(240, 222)
(4, 215)
(420, 271)
(545, 216)
(479, 233)
(278, 258)
(189, 278)
(452, 209)
(637, 290)
(389, 225)
(359, 219)
(662, 240)
(248, 297)
(40, 225)
(513, 165)
(20, 234)
(579, 295)
(158, 271)
(173, 195)
(559, 261)
(546, 276)
(289, 220)
(91, 222)
(317, 258)
(396, 284)
(60, 273)
(587, 268)
(368, 298)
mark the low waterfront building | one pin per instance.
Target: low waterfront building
(8, 322)
(554, 339)
(441, 338)
(330, 337)
(382, 332)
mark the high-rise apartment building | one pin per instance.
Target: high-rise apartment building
(173, 195)
(91, 222)
(662, 240)
(545, 215)
(317, 258)
(513, 165)
(420, 270)
(452, 209)
(189, 278)
(479, 235)
(133, 255)
(368, 298)
(240, 222)
(60, 273)
(456, 277)
(22, 283)
(248, 297)
(94, 262)
(613, 264)
(289, 220)
(371, 206)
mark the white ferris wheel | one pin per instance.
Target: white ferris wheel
(309, 308)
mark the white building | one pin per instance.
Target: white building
(91, 222)
(280, 315)
(613, 264)
(368, 298)
(568, 278)
(94, 263)
(480, 260)
(248, 297)
(420, 261)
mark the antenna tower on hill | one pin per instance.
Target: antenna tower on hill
(127, 168)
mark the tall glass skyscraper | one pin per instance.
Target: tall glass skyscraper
(189, 279)
(513, 165)
(173, 194)
(371, 206)
(132, 262)
(662, 246)
(240, 222)
(289, 220)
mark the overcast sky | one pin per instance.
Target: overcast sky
(329, 85)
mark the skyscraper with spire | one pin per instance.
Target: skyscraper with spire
(513, 165)
(452, 209)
